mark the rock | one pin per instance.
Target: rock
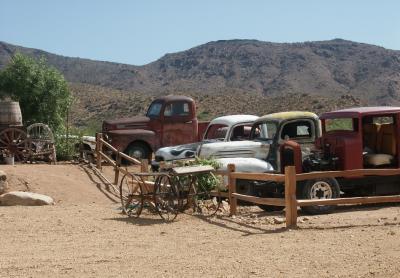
(305, 218)
(279, 220)
(19, 198)
(3, 182)
(225, 205)
(3, 186)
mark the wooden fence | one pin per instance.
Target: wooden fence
(115, 160)
(290, 179)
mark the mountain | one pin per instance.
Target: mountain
(320, 73)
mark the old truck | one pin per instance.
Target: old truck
(357, 138)
(261, 153)
(222, 129)
(169, 121)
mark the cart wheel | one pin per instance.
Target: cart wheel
(206, 201)
(15, 141)
(166, 198)
(131, 195)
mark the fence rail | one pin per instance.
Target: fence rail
(289, 179)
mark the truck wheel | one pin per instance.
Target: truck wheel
(320, 189)
(138, 150)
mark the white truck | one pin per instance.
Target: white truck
(263, 152)
(232, 128)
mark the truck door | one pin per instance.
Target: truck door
(180, 125)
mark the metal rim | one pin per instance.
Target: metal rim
(166, 198)
(131, 196)
(321, 190)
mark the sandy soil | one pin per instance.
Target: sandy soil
(84, 235)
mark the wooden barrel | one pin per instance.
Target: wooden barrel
(10, 114)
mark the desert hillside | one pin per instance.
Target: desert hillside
(234, 76)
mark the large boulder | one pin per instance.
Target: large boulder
(3, 182)
(20, 198)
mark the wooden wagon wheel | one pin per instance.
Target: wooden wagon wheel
(41, 139)
(14, 141)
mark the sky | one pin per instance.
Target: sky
(139, 32)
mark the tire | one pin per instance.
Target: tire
(320, 189)
(138, 150)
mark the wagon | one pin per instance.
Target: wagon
(24, 143)
(171, 192)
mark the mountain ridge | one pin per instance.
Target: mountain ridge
(239, 71)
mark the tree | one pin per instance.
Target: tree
(41, 90)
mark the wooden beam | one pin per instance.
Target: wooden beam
(348, 173)
(105, 143)
(99, 147)
(109, 160)
(232, 189)
(259, 176)
(290, 197)
(349, 201)
(130, 159)
(262, 201)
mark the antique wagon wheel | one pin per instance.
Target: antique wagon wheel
(14, 141)
(42, 140)
(132, 199)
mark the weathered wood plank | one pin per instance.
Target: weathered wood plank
(348, 173)
(187, 170)
(258, 176)
(259, 200)
(349, 201)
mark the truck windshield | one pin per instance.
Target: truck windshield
(154, 110)
(263, 131)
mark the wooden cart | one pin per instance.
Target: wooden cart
(171, 192)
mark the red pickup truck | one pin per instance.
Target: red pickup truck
(170, 120)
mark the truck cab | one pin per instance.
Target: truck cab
(221, 129)
(170, 120)
(267, 135)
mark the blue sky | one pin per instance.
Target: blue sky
(139, 32)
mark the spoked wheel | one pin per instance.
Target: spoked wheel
(166, 198)
(131, 195)
(42, 139)
(14, 141)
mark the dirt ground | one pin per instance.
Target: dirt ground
(85, 235)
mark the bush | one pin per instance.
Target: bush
(41, 91)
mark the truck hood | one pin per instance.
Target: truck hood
(126, 123)
(235, 149)
(180, 151)
(245, 164)
(176, 152)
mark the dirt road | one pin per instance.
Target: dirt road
(84, 235)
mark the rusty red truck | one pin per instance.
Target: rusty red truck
(169, 121)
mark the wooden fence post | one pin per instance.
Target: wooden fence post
(99, 148)
(232, 189)
(144, 165)
(116, 169)
(290, 197)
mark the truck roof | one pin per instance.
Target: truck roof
(234, 119)
(360, 111)
(289, 115)
(173, 98)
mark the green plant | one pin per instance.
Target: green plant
(66, 145)
(41, 91)
(205, 182)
